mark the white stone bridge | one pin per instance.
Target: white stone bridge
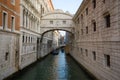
(57, 20)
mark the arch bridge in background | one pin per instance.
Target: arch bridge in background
(57, 20)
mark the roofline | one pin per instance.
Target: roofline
(81, 7)
(57, 13)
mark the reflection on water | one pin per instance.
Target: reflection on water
(54, 67)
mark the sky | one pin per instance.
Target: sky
(67, 5)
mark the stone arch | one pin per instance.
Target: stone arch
(53, 30)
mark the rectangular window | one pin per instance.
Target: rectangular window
(23, 38)
(29, 39)
(81, 51)
(86, 11)
(107, 60)
(41, 9)
(94, 4)
(86, 30)
(94, 26)
(12, 23)
(26, 39)
(94, 55)
(64, 22)
(51, 22)
(103, 1)
(107, 20)
(81, 31)
(23, 17)
(86, 51)
(4, 20)
(6, 56)
(78, 21)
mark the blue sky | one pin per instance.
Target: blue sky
(67, 5)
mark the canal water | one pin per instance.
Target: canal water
(54, 67)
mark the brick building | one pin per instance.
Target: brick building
(9, 37)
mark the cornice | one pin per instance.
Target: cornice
(81, 7)
(57, 13)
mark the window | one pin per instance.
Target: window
(51, 22)
(26, 19)
(13, 2)
(107, 60)
(29, 39)
(86, 30)
(23, 38)
(41, 8)
(77, 33)
(94, 26)
(23, 17)
(78, 21)
(43, 11)
(26, 39)
(103, 1)
(94, 4)
(107, 20)
(82, 20)
(81, 31)
(94, 55)
(81, 16)
(64, 22)
(4, 20)
(12, 23)
(6, 56)
(86, 51)
(86, 11)
(81, 51)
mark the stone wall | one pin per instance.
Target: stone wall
(98, 51)
(9, 53)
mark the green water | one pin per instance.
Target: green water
(54, 67)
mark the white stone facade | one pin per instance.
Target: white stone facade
(31, 12)
(9, 53)
(30, 29)
(97, 38)
(46, 44)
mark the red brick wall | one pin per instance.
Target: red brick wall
(11, 10)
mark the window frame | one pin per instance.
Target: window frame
(87, 11)
(64, 22)
(51, 21)
(6, 20)
(86, 29)
(94, 55)
(12, 26)
(107, 60)
(107, 18)
(94, 4)
(94, 24)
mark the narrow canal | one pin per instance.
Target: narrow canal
(54, 67)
